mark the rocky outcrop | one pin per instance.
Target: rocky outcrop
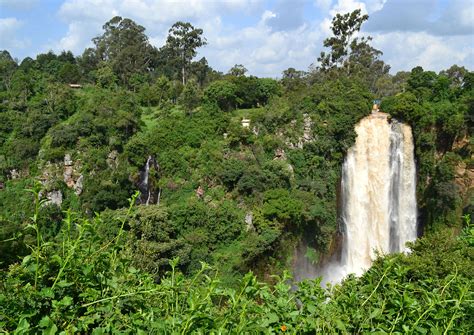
(55, 198)
(464, 178)
(78, 186)
(464, 172)
(112, 159)
(72, 177)
(249, 221)
(304, 138)
(14, 174)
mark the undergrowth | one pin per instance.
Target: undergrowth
(78, 282)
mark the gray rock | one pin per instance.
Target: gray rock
(67, 160)
(78, 187)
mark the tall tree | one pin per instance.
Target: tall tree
(7, 67)
(201, 71)
(351, 54)
(182, 42)
(125, 46)
(343, 27)
(238, 70)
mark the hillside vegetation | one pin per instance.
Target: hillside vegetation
(206, 245)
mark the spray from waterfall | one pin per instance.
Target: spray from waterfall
(379, 211)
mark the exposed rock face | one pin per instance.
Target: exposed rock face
(280, 154)
(55, 198)
(249, 221)
(464, 178)
(464, 172)
(112, 159)
(305, 138)
(14, 174)
(79, 185)
(67, 160)
(71, 176)
(68, 171)
(307, 128)
(52, 198)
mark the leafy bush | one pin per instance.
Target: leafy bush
(80, 282)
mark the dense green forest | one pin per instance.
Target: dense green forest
(141, 191)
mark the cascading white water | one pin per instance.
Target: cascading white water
(144, 186)
(378, 199)
(378, 193)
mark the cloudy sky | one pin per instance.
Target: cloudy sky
(266, 36)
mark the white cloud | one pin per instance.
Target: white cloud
(264, 50)
(323, 4)
(8, 34)
(405, 50)
(346, 6)
(86, 17)
(9, 24)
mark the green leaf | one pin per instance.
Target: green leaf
(340, 325)
(311, 308)
(272, 318)
(26, 259)
(376, 312)
(64, 283)
(22, 327)
(47, 323)
(98, 331)
(44, 322)
(47, 292)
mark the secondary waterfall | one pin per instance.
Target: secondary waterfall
(147, 195)
(378, 192)
(378, 201)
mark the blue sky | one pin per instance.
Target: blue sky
(266, 36)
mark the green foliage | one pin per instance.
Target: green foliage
(82, 282)
(223, 93)
(237, 198)
(280, 205)
(126, 49)
(351, 55)
(191, 96)
(437, 108)
(106, 77)
(241, 92)
(181, 44)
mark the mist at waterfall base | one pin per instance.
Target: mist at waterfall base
(378, 201)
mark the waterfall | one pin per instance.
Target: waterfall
(378, 213)
(378, 193)
(144, 184)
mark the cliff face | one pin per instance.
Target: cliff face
(464, 172)
(72, 176)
